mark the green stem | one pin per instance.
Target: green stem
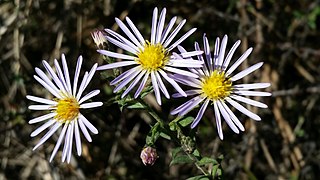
(196, 163)
(175, 137)
(151, 111)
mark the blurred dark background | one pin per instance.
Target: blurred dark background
(284, 145)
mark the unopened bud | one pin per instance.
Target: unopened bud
(187, 144)
(99, 38)
(149, 156)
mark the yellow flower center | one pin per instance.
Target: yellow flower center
(67, 109)
(216, 86)
(153, 57)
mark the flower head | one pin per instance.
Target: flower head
(216, 85)
(151, 58)
(65, 107)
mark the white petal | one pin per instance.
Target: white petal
(182, 72)
(42, 118)
(204, 69)
(88, 124)
(89, 95)
(200, 114)
(121, 38)
(122, 45)
(232, 116)
(188, 92)
(60, 75)
(45, 85)
(76, 75)
(128, 32)
(126, 81)
(185, 36)
(66, 144)
(116, 65)
(249, 101)
(160, 25)
(84, 130)
(154, 25)
(184, 106)
(161, 85)
(53, 75)
(155, 87)
(185, 63)
(222, 51)
(191, 53)
(246, 71)
(90, 105)
(41, 100)
(66, 73)
(251, 86)
(42, 127)
(82, 85)
(86, 80)
(47, 81)
(230, 54)
(142, 84)
(40, 107)
(218, 120)
(78, 139)
(227, 118)
(70, 143)
(239, 61)
(187, 81)
(136, 32)
(125, 75)
(188, 108)
(56, 147)
(216, 50)
(243, 109)
(136, 80)
(252, 93)
(90, 75)
(174, 33)
(172, 82)
(207, 52)
(115, 55)
(167, 30)
(48, 135)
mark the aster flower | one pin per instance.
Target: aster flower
(151, 58)
(216, 86)
(65, 107)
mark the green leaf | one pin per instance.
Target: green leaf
(207, 160)
(175, 151)
(164, 135)
(172, 126)
(181, 160)
(146, 91)
(137, 106)
(200, 177)
(196, 153)
(153, 135)
(186, 121)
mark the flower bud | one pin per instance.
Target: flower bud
(149, 155)
(99, 38)
(187, 144)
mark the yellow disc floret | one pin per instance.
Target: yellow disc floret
(67, 109)
(216, 86)
(152, 57)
